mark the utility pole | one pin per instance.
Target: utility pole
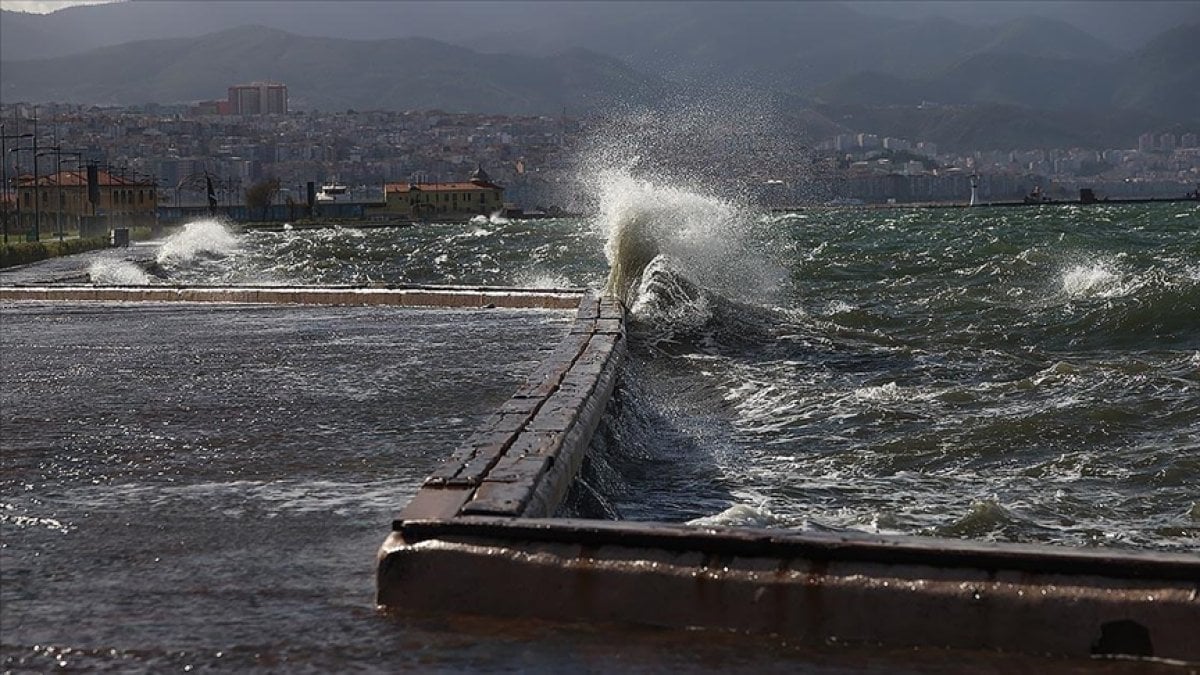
(37, 197)
(58, 152)
(4, 178)
(58, 200)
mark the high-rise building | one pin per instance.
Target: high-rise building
(868, 141)
(843, 142)
(258, 98)
(1189, 140)
(1166, 142)
(1146, 142)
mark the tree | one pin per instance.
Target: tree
(258, 196)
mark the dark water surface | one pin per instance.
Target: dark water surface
(206, 486)
(200, 484)
(1019, 374)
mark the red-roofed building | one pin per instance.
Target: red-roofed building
(444, 201)
(132, 200)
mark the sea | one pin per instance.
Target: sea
(194, 488)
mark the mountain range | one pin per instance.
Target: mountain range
(524, 56)
(331, 73)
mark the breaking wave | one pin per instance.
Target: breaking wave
(118, 273)
(1097, 279)
(202, 239)
(710, 240)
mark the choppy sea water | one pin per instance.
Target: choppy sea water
(1008, 374)
(1015, 374)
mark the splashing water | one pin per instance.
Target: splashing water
(118, 273)
(705, 236)
(207, 238)
(1097, 279)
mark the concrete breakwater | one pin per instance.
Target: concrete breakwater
(479, 537)
(392, 296)
(521, 462)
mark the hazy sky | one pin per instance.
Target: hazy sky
(45, 6)
(1124, 23)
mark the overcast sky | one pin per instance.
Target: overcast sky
(45, 6)
(1124, 23)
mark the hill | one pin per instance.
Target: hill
(1162, 79)
(770, 43)
(325, 73)
(1164, 74)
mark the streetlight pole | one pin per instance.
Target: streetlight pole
(4, 178)
(37, 197)
(58, 152)
(4, 150)
(57, 184)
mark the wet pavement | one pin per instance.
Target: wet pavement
(214, 480)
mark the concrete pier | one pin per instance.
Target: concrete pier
(524, 458)
(476, 540)
(479, 536)
(818, 588)
(392, 296)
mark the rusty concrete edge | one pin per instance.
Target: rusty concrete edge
(400, 296)
(440, 559)
(816, 601)
(827, 546)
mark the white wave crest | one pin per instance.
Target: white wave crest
(203, 238)
(740, 515)
(1097, 279)
(665, 298)
(702, 234)
(880, 394)
(118, 273)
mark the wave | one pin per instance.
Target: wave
(118, 273)
(1159, 304)
(668, 308)
(985, 518)
(741, 515)
(708, 238)
(202, 239)
(1096, 279)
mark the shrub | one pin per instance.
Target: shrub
(25, 252)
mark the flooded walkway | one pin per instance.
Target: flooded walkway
(75, 268)
(191, 484)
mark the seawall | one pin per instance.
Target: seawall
(393, 296)
(480, 536)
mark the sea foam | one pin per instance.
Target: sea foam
(207, 238)
(118, 273)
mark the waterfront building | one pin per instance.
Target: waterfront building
(63, 200)
(444, 201)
